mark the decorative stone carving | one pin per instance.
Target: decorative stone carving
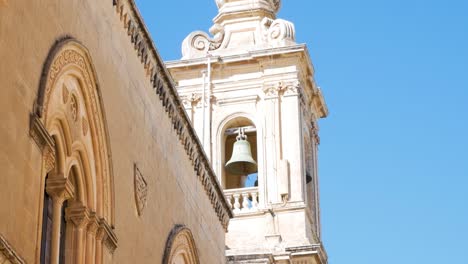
(106, 233)
(59, 187)
(200, 43)
(74, 107)
(272, 90)
(279, 32)
(44, 141)
(68, 54)
(85, 126)
(141, 190)
(314, 131)
(279, 89)
(192, 100)
(65, 94)
(7, 254)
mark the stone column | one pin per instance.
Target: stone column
(80, 217)
(60, 189)
(101, 236)
(272, 142)
(292, 133)
(92, 228)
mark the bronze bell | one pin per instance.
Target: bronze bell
(241, 162)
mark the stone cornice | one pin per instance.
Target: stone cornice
(7, 254)
(164, 87)
(312, 94)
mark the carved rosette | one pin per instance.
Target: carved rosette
(141, 190)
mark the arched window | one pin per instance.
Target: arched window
(180, 247)
(68, 125)
(235, 181)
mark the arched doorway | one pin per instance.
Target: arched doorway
(180, 247)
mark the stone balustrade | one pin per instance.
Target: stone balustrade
(243, 200)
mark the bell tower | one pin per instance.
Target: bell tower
(250, 93)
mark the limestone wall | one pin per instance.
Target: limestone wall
(139, 129)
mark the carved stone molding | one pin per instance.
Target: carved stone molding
(141, 190)
(107, 235)
(164, 88)
(8, 254)
(315, 132)
(65, 94)
(180, 242)
(85, 126)
(43, 140)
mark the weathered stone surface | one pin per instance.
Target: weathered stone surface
(144, 124)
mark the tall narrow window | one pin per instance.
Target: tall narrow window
(46, 229)
(63, 226)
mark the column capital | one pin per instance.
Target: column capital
(78, 214)
(59, 187)
(106, 234)
(93, 223)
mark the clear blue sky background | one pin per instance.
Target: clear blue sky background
(394, 150)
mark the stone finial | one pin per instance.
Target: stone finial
(270, 5)
(240, 26)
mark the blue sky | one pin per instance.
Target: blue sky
(394, 149)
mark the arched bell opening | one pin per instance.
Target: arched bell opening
(240, 154)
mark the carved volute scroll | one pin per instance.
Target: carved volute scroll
(180, 247)
(241, 25)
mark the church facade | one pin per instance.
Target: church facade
(99, 163)
(110, 155)
(251, 95)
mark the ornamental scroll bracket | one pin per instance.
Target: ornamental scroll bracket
(200, 43)
(278, 32)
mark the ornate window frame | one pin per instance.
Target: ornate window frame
(68, 125)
